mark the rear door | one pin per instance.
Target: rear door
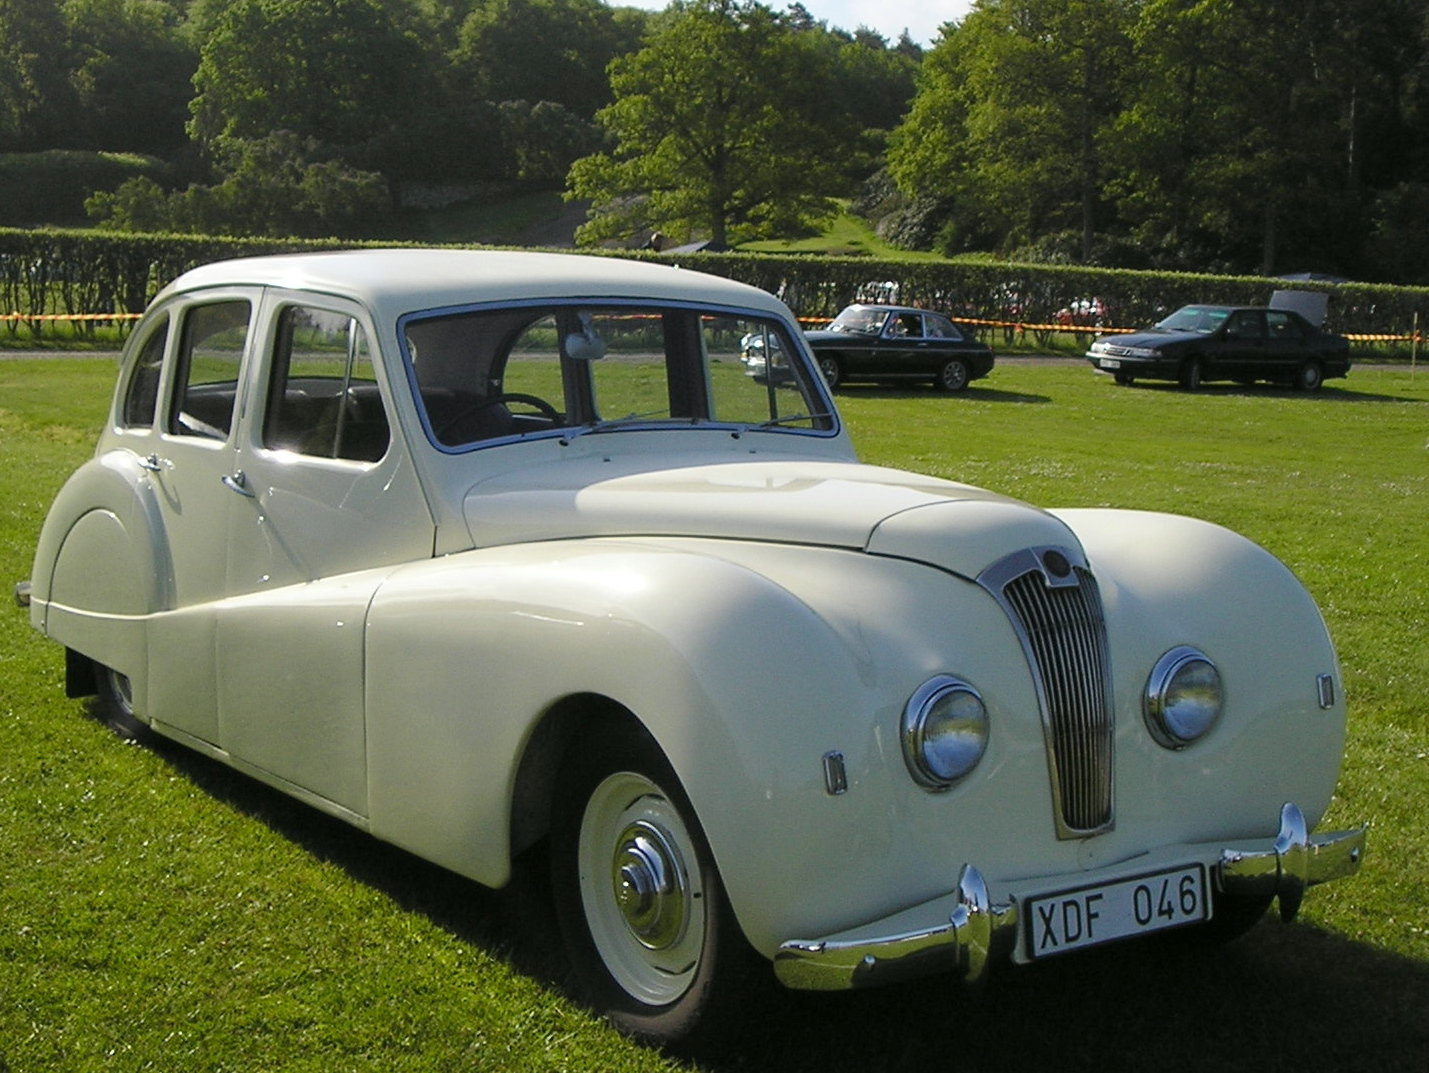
(326, 504)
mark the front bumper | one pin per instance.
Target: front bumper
(1155, 368)
(966, 931)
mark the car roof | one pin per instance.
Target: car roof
(397, 281)
(883, 308)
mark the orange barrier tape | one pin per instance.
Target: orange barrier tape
(70, 316)
(1021, 326)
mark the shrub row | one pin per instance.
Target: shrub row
(85, 272)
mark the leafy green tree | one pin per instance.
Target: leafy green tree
(131, 69)
(280, 185)
(720, 125)
(542, 50)
(342, 71)
(35, 102)
(1022, 98)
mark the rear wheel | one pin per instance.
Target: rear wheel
(114, 703)
(953, 376)
(652, 943)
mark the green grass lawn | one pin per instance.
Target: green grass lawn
(159, 912)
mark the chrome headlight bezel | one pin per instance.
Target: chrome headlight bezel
(1184, 697)
(944, 732)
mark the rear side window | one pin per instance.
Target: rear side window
(141, 398)
(210, 354)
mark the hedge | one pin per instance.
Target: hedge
(73, 273)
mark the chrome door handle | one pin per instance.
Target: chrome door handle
(153, 463)
(237, 482)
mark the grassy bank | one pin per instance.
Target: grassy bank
(158, 912)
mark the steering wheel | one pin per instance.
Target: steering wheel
(543, 407)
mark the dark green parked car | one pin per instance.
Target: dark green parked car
(1199, 343)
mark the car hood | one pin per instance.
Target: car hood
(823, 335)
(882, 511)
(1153, 338)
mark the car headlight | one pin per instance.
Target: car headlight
(1183, 697)
(945, 730)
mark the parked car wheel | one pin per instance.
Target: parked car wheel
(1191, 374)
(831, 370)
(1125, 379)
(114, 703)
(953, 376)
(652, 940)
(1309, 377)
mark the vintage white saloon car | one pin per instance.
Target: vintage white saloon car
(490, 551)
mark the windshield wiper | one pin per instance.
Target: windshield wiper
(613, 422)
(775, 422)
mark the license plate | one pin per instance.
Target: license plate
(1088, 916)
(1110, 363)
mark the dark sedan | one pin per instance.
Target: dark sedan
(892, 343)
(1202, 342)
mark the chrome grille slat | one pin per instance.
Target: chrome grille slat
(1063, 631)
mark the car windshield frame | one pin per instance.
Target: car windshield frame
(595, 378)
(1202, 320)
(860, 320)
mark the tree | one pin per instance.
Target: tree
(279, 185)
(541, 50)
(717, 126)
(35, 102)
(131, 71)
(343, 71)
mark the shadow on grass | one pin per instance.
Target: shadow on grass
(975, 393)
(1293, 998)
(1328, 394)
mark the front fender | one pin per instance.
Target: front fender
(718, 649)
(1169, 580)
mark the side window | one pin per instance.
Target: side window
(1246, 324)
(210, 354)
(1282, 326)
(141, 399)
(323, 398)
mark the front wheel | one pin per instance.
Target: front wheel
(652, 943)
(1309, 377)
(831, 370)
(1191, 375)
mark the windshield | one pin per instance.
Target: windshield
(493, 374)
(1203, 319)
(861, 320)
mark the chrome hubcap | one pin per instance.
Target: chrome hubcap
(650, 887)
(641, 888)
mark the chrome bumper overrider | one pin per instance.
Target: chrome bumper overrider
(965, 931)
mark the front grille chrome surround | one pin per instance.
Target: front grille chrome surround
(1054, 604)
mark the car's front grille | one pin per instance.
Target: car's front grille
(1053, 601)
